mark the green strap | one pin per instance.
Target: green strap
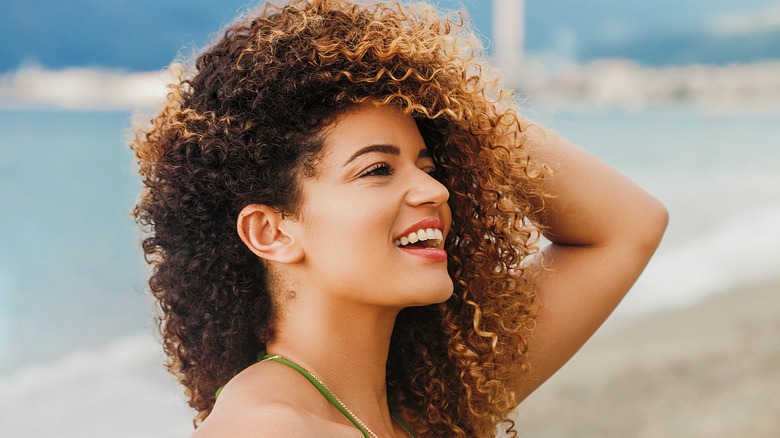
(324, 391)
(318, 385)
(403, 424)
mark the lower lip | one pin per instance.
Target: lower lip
(428, 253)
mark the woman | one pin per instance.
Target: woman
(333, 192)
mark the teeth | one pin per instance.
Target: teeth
(434, 235)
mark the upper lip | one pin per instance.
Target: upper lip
(428, 222)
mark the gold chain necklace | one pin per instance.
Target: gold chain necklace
(348, 410)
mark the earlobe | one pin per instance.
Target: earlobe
(261, 229)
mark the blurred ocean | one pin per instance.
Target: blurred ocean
(719, 176)
(70, 270)
(77, 352)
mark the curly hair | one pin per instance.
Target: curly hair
(243, 128)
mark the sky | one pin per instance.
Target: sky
(101, 54)
(145, 35)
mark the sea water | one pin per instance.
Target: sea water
(77, 351)
(719, 176)
(70, 270)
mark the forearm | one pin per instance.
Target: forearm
(590, 203)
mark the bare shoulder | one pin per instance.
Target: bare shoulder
(271, 419)
(269, 400)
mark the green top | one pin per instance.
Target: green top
(324, 391)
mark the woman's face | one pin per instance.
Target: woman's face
(373, 189)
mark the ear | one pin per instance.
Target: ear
(262, 231)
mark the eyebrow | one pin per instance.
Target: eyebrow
(384, 149)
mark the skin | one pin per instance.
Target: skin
(603, 230)
(341, 281)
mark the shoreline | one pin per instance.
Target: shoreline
(708, 370)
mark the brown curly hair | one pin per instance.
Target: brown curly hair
(243, 128)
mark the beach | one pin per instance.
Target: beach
(79, 357)
(710, 370)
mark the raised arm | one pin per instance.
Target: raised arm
(603, 230)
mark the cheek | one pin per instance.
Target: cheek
(340, 222)
(446, 214)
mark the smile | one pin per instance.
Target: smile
(425, 238)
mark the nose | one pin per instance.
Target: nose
(425, 189)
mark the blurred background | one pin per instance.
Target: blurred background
(683, 96)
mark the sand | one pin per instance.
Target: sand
(712, 371)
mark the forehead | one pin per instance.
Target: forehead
(370, 124)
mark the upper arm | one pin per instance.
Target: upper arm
(603, 230)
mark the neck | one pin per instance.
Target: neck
(345, 345)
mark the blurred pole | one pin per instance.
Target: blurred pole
(508, 36)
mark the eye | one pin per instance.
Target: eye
(438, 174)
(379, 169)
(431, 169)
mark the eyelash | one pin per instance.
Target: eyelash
(379, 169)
(384, 169)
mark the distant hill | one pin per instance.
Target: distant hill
(658, 32)
(684, 48)
(147, 34)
